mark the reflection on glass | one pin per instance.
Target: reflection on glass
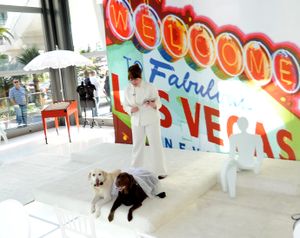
(35, 100)
(24, 3)
(98, 76)
(20, 42)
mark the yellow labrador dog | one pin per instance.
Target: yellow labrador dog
(101, 182)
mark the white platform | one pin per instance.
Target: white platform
(276, 176)
(262, 208)
(191, 174)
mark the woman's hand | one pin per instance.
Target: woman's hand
(152, 104)
(134, 109)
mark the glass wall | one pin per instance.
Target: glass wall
(24, 3)
(88, 33)
(21, 39)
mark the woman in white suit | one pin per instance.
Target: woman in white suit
(142, 103)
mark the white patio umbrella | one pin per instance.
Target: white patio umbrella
(57, 59)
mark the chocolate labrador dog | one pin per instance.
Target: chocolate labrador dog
(130, 194)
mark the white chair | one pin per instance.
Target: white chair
(244, 145)
(14, 220)
(296, 227)
(72, 224)
(3, 135)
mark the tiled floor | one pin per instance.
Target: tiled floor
(29, 154)
(262, 208)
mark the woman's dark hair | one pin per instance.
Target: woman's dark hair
(134, 71)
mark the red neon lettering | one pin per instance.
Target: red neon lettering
(258, 65)
(167, 121)
(116, 93)
(230, 55)
(174, 39)
(121, 15)
(193, 123)
(147, 26)
(259, 71)
(230, 52)
(202, 45)
(284, 70)
(260, 130)
(282, 136)
(212, 126)
(231, 120)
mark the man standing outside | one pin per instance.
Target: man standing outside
(96, 81)
(17, 96)
(107, 90)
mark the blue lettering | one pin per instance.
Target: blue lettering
(139, 63)
(195, 149)
(181, 146)
(127, 60)
(174, 80)
(155, 71)
(168, 143)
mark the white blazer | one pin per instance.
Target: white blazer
(136, 96)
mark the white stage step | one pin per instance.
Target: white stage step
(191, 174)
(279, 176)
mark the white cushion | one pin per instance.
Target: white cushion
(190, 175)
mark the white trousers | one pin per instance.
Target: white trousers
(156, 159)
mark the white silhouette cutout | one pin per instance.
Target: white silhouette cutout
(296, 227)
(242, 156)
